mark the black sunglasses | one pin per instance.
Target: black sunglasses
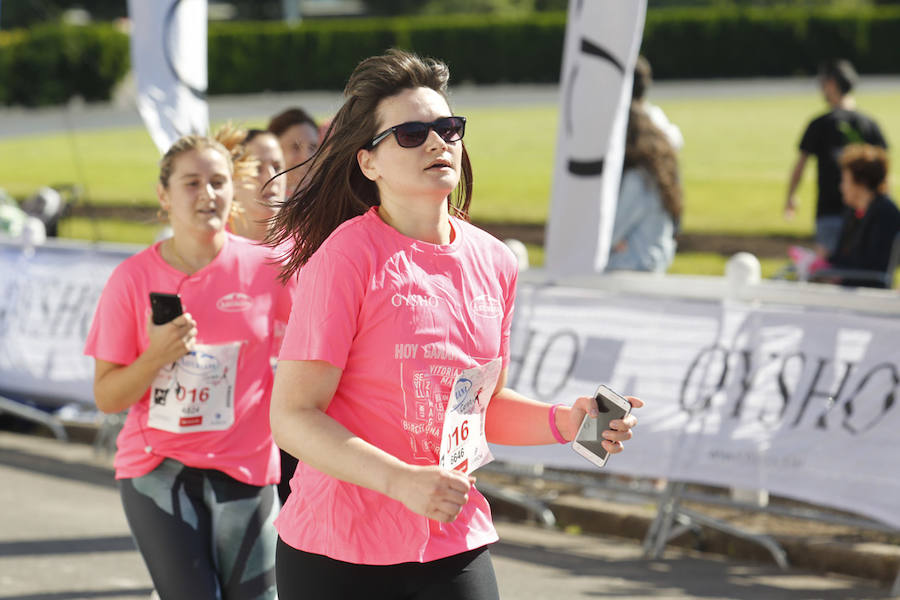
(414, 133)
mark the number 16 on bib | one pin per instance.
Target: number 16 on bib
(463, 443)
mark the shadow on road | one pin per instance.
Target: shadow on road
(45, 465)
(143, 592)
(685, 576)
(84, 545)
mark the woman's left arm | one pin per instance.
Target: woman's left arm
(512, 419)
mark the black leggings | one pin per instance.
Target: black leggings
(203, 535)
(288, 466)
(466, 576)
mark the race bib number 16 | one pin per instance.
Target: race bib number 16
(463, 444)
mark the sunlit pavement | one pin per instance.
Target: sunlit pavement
(63, 536)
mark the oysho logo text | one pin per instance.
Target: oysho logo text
(414, 300)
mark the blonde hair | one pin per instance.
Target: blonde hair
(186, 144)
(226, 142)
(245, 166)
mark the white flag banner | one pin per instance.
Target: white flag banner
(602, 42)
(168, 57)
(792, 399)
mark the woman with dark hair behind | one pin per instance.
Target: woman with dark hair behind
(298, 135)
(260, 193)
(650, 200)
(404, 307)
(872, 219)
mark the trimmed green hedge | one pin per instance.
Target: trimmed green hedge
(272, 56)
(49, 64)
(320, 55)
(679, 42)
(752, 42)
(481, 49)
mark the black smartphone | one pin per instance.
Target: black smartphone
(165, 307)
(588, 440)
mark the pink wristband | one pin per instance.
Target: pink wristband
(553, 428)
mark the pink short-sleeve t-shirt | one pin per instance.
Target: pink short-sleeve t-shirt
(235, 298)
(281, 253)
(401, 318)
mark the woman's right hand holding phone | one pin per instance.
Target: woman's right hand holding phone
(118, 386)
(170, 341)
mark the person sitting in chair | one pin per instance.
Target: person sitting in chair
(872, 220)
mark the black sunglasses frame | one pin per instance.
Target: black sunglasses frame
(428, 126)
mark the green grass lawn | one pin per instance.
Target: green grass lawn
(110, 230)
(735, 164)
(117, 166)
(738, 155)
(685, 263)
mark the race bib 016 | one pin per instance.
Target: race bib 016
(196, 393)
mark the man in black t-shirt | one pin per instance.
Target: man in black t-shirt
(825, 138)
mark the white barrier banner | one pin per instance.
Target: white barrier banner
(601, 46)
(168, 56)
(47, 302)
(797, 401)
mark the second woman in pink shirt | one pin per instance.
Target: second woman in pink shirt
(195, 460)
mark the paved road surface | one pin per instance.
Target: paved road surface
(63, 537)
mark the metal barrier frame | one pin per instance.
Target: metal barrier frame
(672, 519)
(23, 411)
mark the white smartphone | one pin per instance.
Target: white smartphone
(588, 440)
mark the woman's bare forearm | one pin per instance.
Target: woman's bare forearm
(118, 387)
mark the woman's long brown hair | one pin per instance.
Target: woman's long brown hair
(648, 147)
(334, 188)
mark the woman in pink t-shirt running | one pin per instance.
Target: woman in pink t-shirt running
(392, 373)
(260, 193)
(195, 460)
